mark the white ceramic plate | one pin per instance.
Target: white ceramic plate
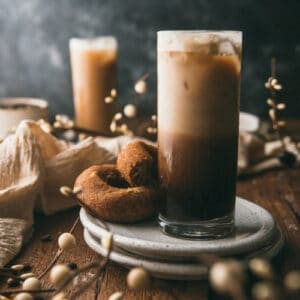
(255, 229)
(165, 269)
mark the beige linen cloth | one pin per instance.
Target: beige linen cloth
(34, 165)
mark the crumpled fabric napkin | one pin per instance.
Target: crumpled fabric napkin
(33, 166)
(13, 233)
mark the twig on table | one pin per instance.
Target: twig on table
(4, 293)
(58, 253)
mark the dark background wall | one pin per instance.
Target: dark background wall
(34, 35)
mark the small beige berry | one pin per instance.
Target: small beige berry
(113, 93)
(280, 106)
(108, 99)
(18, 267)
(60, 296)
(66, 241)
(23, 296)
(113, 126)
(82, 136)
(66, 191)
(59, 274)
(118, 116)
(270, 102)
(154, 118)
(69, 124)
(116, 296)
(31, 283)
(225, 275)
(123, 128)
(292, 281)
(264, 291)
(106, 242)
(57, 124)
(272, 113)
(140, 87)
(130, 111)
(261, 268)
(138, 279)
(152, 130)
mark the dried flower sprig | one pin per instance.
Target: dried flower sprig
(273, 86)
(129, 111)
(63, 123)
(119, 124)
(290, 150)
(152, 129)
(112, 97)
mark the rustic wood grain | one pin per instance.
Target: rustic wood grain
(274, 190)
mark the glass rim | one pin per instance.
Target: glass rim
(197, 31)
(196, 40)
(105, 42)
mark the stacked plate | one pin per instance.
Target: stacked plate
(144, 245)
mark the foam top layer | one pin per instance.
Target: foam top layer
(98, 43)
(197, 41)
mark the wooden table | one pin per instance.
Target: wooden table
(277, 191)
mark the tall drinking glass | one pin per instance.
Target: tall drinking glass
(198, 113)
(94, 67)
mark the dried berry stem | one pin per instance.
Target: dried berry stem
(144, 77)
(4, 293)
(51, 264)
(74, 225)
(99, 268)
(273, 74)
(272, 87)
(82, 130)
(58, 253)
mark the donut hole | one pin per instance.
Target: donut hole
(113, 178)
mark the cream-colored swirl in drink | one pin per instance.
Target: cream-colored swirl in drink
(94, 66)
(198, 105)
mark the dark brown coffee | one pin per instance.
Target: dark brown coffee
(198, 180)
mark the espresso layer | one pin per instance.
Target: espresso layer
(198, 176)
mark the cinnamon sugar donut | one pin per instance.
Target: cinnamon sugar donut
(137, 163)
(107, 195)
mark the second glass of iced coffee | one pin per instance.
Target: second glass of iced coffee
(94, 75)
(198, 112)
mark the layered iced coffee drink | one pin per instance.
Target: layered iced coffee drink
(94, 67)
(198, 109)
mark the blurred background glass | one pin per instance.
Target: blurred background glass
(34, 37)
